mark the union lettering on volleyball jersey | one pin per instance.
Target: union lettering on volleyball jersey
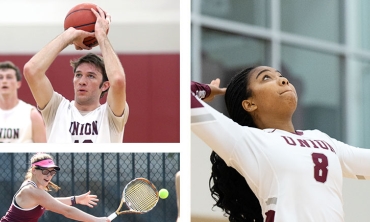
(285, 170)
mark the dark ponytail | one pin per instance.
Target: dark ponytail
(228, 188)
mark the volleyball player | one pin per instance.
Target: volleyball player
(263, 169)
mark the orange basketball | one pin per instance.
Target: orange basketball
(81, 17)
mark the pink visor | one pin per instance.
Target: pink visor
(47, 163)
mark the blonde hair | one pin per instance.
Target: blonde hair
(38, 157)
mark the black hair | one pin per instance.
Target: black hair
(228, 188)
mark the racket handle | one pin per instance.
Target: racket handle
(112, 216)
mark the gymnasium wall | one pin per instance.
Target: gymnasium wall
(144, 34)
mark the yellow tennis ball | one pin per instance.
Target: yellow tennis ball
(163, 193)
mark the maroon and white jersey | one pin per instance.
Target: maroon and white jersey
(18, 214)
(65, 123)
(295, 176)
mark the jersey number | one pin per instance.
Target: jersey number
(85, 141)
(321, 167)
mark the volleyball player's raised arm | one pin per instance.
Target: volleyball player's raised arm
(218, 131)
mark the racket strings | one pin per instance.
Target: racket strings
(141, 196)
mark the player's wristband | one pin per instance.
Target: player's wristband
(112, 216)
(73, 200)
(201, 90)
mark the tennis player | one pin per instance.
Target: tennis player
(32, 198)
(85, 119)
(263, 168)
(20, 122)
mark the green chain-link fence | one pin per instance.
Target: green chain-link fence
(104, 174)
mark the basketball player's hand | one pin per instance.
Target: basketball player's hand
(87, 199)
(103, 20)
(215, 90)
(78, 37)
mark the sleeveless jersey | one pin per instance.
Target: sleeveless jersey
(16, 124)
(295, 176)
(65, 123)
(17, 214)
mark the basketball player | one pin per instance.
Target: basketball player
(83, 120)
(20, 122)
(263, 168)
(31, 200)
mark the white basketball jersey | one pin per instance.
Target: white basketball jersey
(64, 123)
(16, 124)
(298, 176)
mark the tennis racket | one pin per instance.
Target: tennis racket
(139, 196)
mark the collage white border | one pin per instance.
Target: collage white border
(183, 147)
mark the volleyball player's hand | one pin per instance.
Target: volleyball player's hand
(87, 199)
(215, 90)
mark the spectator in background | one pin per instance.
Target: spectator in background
(20, 122)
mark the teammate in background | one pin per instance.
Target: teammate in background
(83, 120)
(263, 169)
(20, 122)
(31, 200)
